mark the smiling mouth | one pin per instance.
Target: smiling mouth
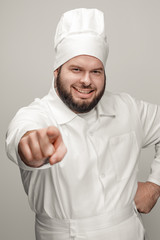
(83, 91)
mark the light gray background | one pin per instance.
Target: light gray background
(27, 56)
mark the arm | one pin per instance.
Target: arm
(148, 193)
(23, 128)
(146, 196)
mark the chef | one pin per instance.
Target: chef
(78, 147)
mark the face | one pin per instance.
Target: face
(80, 83)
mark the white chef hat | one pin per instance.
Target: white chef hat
(80, 32)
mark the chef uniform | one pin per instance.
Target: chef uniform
(90, 194)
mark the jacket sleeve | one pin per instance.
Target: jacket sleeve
(149, 115)
(27, 118)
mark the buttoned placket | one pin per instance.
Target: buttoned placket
(101, 172)
(73, 229)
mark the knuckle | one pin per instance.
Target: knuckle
(53, 129)
(40, 133)
(31, 137)
(37, 156)
(22, 142)
(48, 149)
(46, 154)
(29, 158)
(36, 152)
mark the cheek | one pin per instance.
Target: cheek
(70, 80)
(67, 85)
(100, 85)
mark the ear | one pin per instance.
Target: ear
(56, 73)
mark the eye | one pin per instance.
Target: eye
(97, 72)
(76, 70)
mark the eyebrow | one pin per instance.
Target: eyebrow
(100, 68)
(77, 66)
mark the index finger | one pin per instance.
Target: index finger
(52, 133)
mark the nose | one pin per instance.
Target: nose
(85, 79)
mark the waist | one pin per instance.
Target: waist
(104, 220)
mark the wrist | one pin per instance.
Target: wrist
(154, 188)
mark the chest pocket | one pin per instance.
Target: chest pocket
(124, 152)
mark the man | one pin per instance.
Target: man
(78, 147)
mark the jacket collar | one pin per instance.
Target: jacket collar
(63, 114)
(59, 110)
(106, 106)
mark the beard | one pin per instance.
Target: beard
(83, 106)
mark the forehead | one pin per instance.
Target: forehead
(85, 61)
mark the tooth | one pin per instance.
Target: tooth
(81, 91)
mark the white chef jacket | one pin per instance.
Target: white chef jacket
(99, 172)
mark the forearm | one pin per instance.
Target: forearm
(154, 189)
(146, 196)
(26, 120)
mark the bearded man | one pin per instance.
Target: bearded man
(78, 147)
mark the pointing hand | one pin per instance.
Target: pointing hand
(36, 146)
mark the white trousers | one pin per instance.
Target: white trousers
(118, 225)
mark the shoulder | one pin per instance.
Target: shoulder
(37, 106)
(118, 99)
(118, 103)
(35, 113)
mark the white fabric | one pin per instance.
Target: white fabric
(99, 172)
(107, 226)
(80, 32)
(90, 117)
